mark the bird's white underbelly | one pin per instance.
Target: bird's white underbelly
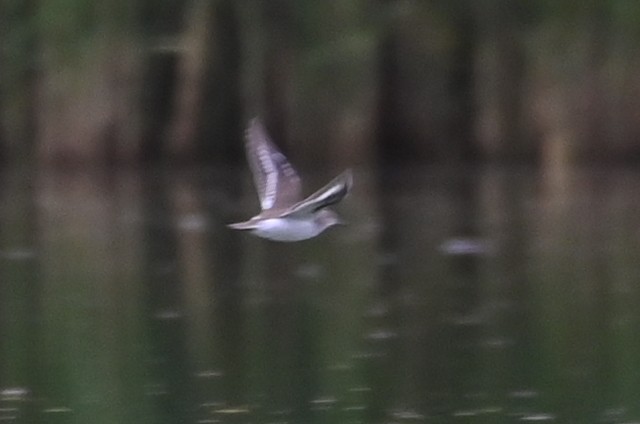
(287, 230)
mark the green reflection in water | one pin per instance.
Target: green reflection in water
(497, 294)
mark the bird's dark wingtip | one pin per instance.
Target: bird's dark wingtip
(347, 179)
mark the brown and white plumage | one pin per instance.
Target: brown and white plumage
(285, 216)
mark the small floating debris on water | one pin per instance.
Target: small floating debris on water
(614, 414)
(231, 411)
(381, 334)
(168, 314)
(461, 246)
(340, 367)
(497, 343)
(538, 417)
(18, 254)
(407, 414)
(282, 412)
(354, 408)
(214, 405)
(209, 374)
(360, 389)
(480, 411)
(155, 389)
(57, 410)
(325, 400)
(524, 394)
(323, 404)
(14, 393)
(368, 355)
(9, 414)
(466, 413)
(471, 319)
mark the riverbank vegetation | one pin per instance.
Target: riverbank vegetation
(132, 81)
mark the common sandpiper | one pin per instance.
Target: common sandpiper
(285, 216)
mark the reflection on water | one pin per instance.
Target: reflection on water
(453, 296)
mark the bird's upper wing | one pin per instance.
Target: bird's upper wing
(277, 183)
(328, 195)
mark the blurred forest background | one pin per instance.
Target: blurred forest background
(130, 81)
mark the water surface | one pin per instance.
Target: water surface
(487, 295)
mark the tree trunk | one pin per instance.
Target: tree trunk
(595, 125)
(503, 103)
(17, 80)
(462, 84)
(389, 133)
(217, 127)
(88, 91)
(278, 66)
(163, 23)
(191, 77)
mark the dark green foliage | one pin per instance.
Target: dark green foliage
(161, 17)
(445, 80)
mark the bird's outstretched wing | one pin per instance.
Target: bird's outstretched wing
(328, 195)
(277, 183)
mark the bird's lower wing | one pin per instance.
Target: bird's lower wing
(328, 195)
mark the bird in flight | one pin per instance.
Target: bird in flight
(285, 216)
